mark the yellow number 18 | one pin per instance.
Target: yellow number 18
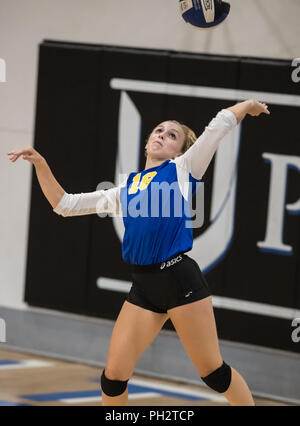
(141, 184)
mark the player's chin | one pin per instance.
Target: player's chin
(158, 156)
(155, 150)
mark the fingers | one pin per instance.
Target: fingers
(257, 108)
(265, 108)
(14, 155)
(262, 109)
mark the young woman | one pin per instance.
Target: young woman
(166, 282)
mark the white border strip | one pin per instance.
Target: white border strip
(203, 92)
(113, 285)
(255, 308)
(218, 302)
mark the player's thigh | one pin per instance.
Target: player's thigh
(133, 332)
(196, 327)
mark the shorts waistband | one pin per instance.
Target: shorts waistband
(159, 266)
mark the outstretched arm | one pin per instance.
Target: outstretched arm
(103, 201)
(68, 204)
(49, 185)
(197, 158)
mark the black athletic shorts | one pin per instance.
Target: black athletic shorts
(164, 286)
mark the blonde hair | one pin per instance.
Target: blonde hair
(189, 136)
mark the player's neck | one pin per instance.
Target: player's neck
(152, 162)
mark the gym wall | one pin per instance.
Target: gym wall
(95, 107)
(256, 28)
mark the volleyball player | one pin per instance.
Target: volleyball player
(166, 282)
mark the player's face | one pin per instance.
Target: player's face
(166, 141)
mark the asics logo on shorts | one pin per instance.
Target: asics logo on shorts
(171, 262)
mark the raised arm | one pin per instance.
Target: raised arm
(197, 158)
(68, 204)
(251, 107)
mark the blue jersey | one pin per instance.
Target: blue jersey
(156, 214)
(155, 226)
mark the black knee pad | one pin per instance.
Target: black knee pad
(220, 379)
(112, 387)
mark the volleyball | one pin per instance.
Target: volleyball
(204, 14)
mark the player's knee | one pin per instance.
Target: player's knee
(112, 387)
(220, 379)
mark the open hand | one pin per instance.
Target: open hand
(256, 108)
(29, 154)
